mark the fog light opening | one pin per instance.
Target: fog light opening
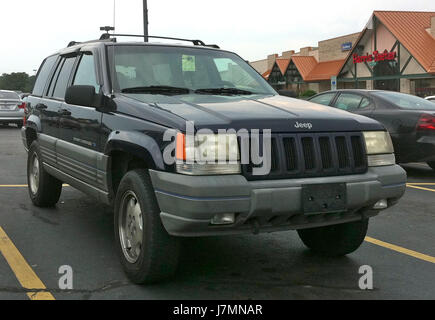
(223, 219)
(381, 204)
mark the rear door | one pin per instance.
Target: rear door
(53, 97)
(36, 101)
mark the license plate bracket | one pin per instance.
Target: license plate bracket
(324, 198)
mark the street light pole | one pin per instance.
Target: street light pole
(145, 20)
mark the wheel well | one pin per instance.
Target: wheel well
(120, 163)
(30, 136)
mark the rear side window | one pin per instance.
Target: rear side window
(63, 78)
(85, 75)
(324, 99)
(348, 101)
(43, 74)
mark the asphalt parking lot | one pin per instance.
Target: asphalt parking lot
(78, 233)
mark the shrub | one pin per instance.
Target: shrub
(308, 93)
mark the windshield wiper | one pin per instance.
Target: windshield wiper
(168, 90)
(223, 91)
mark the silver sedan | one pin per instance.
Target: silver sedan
(11, 108)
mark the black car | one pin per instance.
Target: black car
(409, 119)
(139, 127)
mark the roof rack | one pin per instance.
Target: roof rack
(73, 43)
(109, 36)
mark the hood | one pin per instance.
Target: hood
(281, 114)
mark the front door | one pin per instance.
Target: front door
(79, 148)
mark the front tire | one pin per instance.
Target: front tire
(147, 252)
(336, 240)
(44, 189)
(431, 164)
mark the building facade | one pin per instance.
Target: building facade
(395, 51)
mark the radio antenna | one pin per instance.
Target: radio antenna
(114, 14)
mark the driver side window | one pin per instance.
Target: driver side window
(324, 99)
(85, 75)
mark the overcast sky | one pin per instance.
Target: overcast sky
(32, 29)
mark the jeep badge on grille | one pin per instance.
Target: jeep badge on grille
(306, 125)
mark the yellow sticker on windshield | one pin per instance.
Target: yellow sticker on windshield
(188, 63)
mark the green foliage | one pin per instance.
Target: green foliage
(17, 81)
(308, 93)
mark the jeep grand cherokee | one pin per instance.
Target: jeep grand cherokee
(97, 120)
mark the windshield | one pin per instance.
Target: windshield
(406, 101)
(180, 70)
(9, 95)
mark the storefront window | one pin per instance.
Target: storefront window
(424, 87)
(387, 68)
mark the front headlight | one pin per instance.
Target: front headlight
(208, 154)
(380, 150)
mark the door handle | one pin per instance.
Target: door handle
(64, 112)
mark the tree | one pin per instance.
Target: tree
(17, 81)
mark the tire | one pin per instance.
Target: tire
(156, 257)
(431, 164)
(337, 240)
(44, 189)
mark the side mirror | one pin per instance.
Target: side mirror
(81, 96)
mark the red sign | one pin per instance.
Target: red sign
(376, 56)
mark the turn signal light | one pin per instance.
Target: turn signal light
(426, 122)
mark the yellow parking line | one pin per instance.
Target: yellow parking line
(420, 188)
(24, 273)
(421, 184)
(408, 252)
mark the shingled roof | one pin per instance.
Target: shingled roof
(410, 28)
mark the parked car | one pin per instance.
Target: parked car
(409, 119)
(112, 119)
(431, 98)
(11, 108)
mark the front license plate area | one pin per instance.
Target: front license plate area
(324, 198)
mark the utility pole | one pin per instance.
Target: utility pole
(145, 20)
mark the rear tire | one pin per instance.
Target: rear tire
(44, 189)
(431, 164)
(147, 252)
(336, 240)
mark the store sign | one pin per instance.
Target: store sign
(376, 57)
(346, 46)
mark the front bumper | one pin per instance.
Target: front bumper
(188, 203)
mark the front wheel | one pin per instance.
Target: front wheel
(335, 240)
(148, 253)
(44, 189)
(431, 164)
